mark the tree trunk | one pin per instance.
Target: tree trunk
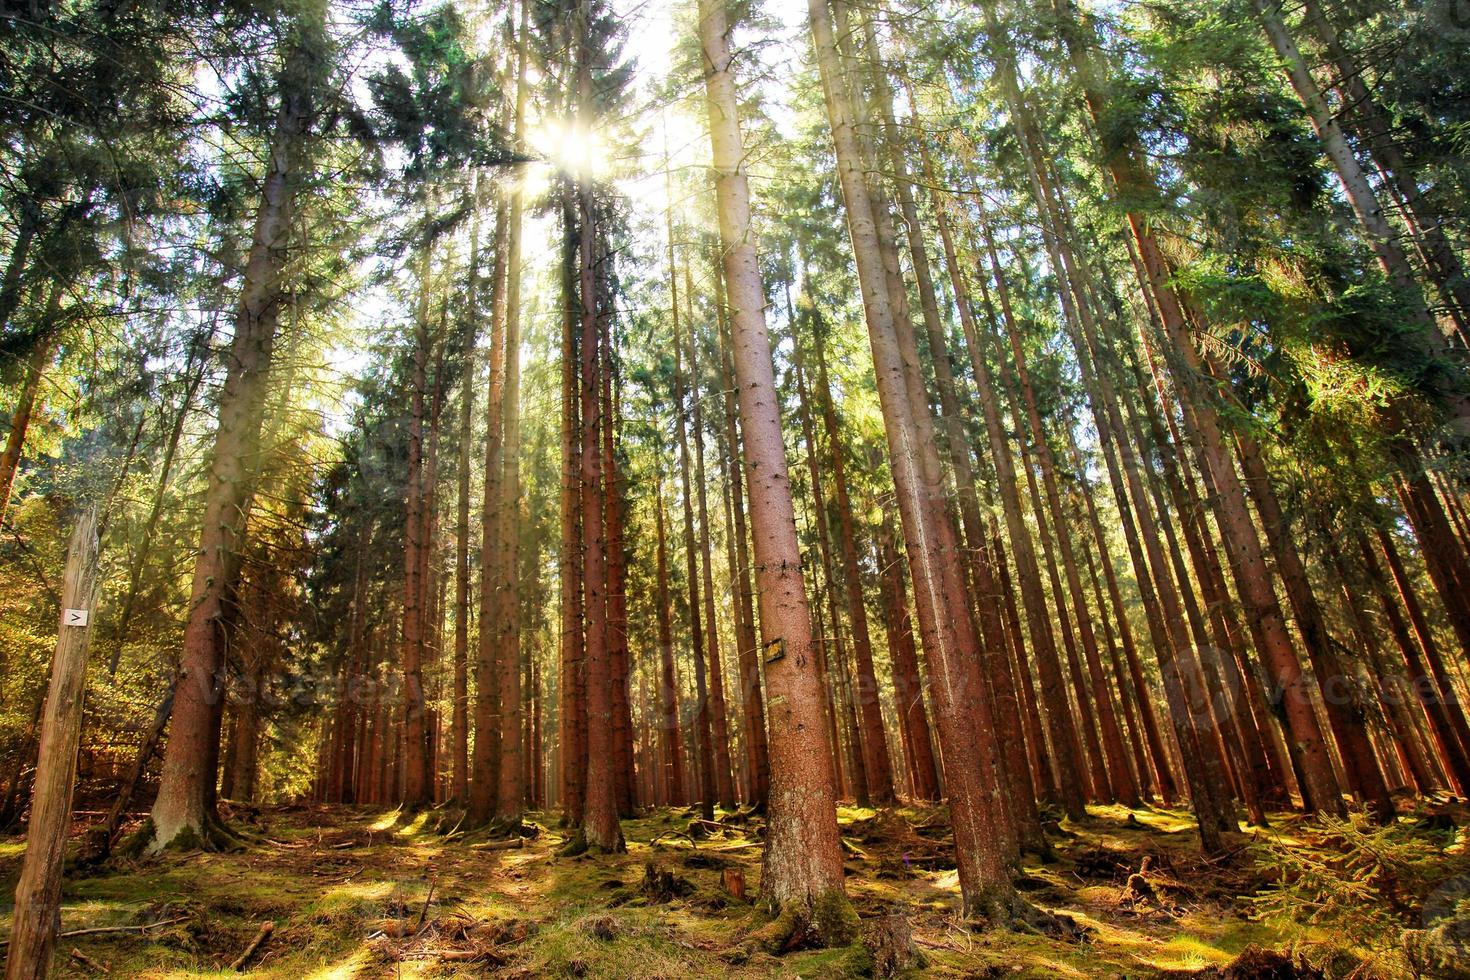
(42, 352)
(983, 837)
(571, 691)
(752, 700)
(671, 747)
(417, 791)
(719, 731)
(600, 827)
(179, 812)
(908, 685)
(36, 917)
(460, 720)
(802, 865)
(510, 792)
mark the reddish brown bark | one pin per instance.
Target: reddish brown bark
(803, 858)
(188, 772)
(984, 835)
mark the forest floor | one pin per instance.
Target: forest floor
(354, 892)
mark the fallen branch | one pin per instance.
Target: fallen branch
(101, 929)
(674, 833)
(89, 963)
(514, 844)
(264, 934)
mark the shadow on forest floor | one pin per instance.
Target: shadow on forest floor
(355, 892)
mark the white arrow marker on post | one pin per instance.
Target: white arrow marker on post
(75, 617)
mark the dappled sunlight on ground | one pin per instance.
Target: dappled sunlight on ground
(363, 893)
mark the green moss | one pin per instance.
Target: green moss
(834, 918)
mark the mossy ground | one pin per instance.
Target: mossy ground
(346, 888)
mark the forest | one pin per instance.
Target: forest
(735, 488)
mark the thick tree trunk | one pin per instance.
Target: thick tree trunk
(983, 834)
(600, 827)
(179, 812)
(802, 866)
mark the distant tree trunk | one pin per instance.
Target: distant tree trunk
(857, 756)
(1436, 687)
(671, 747)
(908, 686)
(1110, 767)
(1446, 563)
(752, 700)
(875, 745)
(188, 772)
(704, 739)
(195, 372)
(1375, 132)
(245, 741)
(1065, 751)
(417, 790)
(1343, 701)
(719, 727)
(571, 692)
(1129, 170)
(1388, 678)
(802, 865)
(42, 353)
(617, 598)
(1259, 734)
(460, 721)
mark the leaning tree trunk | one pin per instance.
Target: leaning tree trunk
(179, 810)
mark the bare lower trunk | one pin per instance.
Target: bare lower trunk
(802, 866)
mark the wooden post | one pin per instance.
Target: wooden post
(38, 894)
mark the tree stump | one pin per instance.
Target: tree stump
(890, 943)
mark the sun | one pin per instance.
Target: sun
(569, 147)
